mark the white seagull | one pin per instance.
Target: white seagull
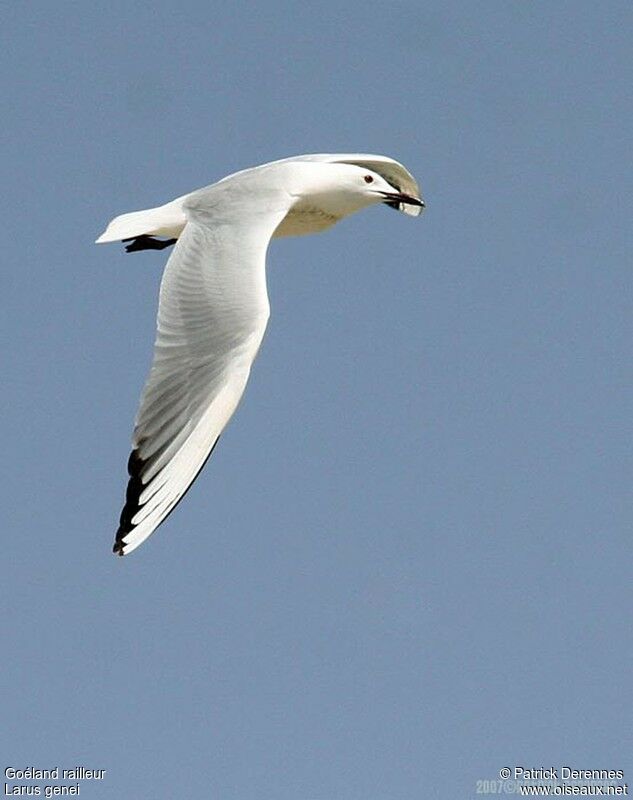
(213, 305)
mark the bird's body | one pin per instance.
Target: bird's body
(213, 306)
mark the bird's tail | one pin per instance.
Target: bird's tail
(167, 220)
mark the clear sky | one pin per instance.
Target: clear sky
(408, 563)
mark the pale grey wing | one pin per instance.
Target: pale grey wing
(212, 315)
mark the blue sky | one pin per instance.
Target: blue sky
(407, 564)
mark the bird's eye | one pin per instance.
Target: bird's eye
(368, 179)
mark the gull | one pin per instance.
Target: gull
(213, 305)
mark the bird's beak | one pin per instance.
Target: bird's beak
(395, 199)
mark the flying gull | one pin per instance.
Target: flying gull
(213, 305)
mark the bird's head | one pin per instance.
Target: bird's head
(341, 189)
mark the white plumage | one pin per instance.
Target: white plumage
(213, 306)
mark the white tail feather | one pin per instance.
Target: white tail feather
(167, 220)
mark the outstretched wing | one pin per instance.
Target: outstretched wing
(212, 316)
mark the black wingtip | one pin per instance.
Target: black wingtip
(135, 486)
(146, 242)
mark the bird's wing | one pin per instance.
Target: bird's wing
(212, 315)
(392, 171)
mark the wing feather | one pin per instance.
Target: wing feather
(212, 316)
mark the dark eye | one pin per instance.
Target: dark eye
(368, 179)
